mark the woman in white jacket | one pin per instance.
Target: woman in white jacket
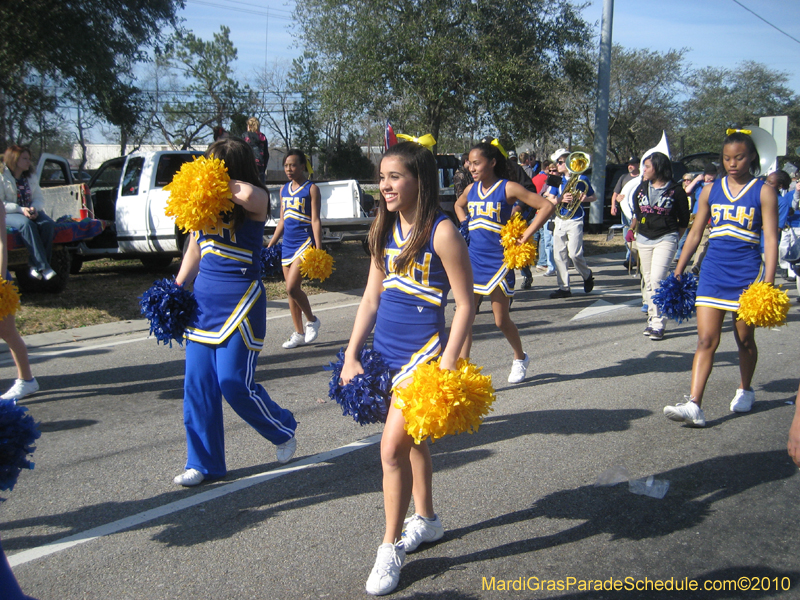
(24, 206)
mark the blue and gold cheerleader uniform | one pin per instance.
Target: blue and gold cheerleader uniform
(410, 325)
(297, 234)
(488, 212)
(223, 345)
(733, 260)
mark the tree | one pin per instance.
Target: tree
(723, 98)
(211, 95)
(436, 59)
(91, 43)
(644, 100)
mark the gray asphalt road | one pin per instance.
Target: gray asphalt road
(100, 518)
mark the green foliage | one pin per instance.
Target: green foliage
(723, 98)
(346, 161)
(439, 62)
(90, 44)
(211, 96)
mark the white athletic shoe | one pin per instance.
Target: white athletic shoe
(518, 369)
(312, 330)
(20, 389)
(743, 400)
(686, 412)
(418, 531)
(36, 274)
(48, 274)
(285, 451)
(385, 574)
(189, 478)
(294, 340)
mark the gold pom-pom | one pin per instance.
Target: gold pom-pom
(437, 403)
(763, 305)
(316, 264)
(199, 193)
(517, 255)
(9, 298)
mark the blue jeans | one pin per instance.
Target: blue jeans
(37, 235)
(626, 225)
(546, 250)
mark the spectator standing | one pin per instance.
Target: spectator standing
(462, 177)
(546, 262)
(618, 197)
(258, 142)
(525, 163)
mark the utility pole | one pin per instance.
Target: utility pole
(601, 115)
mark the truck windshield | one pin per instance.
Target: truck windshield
(170, 164)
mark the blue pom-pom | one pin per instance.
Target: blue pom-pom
(464, 229)
(271, 261)
(170, 309)
(18, 433)
(675, 298)
(366, 397)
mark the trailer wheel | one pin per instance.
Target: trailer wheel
(75, 266)
(60, 262)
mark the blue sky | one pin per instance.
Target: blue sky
(720, 33)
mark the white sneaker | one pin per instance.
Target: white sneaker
(518, 369)
(36, 274)
(686, 412)
(312, 330)
(48, 274)
(285, 451)
(743, 400)
(189, 478)
(294, 340)
(20, 389)
(418, 530)
(385, 574)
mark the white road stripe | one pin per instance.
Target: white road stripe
(156, 513)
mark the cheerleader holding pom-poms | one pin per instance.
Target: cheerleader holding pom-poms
(225, 338)
(417, 257)
(301, 230)
(488, 203)
(740, 206)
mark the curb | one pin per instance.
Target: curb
(275, 308)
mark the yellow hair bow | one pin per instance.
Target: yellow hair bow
(496, 144)
(730, 131)
(427, 140)
(309, 168)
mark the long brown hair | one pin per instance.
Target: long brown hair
(241, 164)
(421, 163)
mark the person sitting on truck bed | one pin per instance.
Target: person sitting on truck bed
(24, 206)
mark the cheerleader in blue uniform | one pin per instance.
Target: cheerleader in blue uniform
(489, 202)
(222, 347)
(417, 256)
(300, 227)
(740, 207)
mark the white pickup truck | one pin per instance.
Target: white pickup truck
(128, 192)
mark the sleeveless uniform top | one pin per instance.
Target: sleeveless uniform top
(297, 234)
(228, 285)
(419, 295)
(733, 260)
(488, 212)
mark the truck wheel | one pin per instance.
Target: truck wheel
(365, 245)
(75, 266)
(156, 262)
(60, 262)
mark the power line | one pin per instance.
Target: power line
(244, 10)
(791, 37)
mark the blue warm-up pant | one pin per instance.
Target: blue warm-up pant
(227, 369)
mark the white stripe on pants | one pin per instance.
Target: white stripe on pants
(568, 240)
(655, 261)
